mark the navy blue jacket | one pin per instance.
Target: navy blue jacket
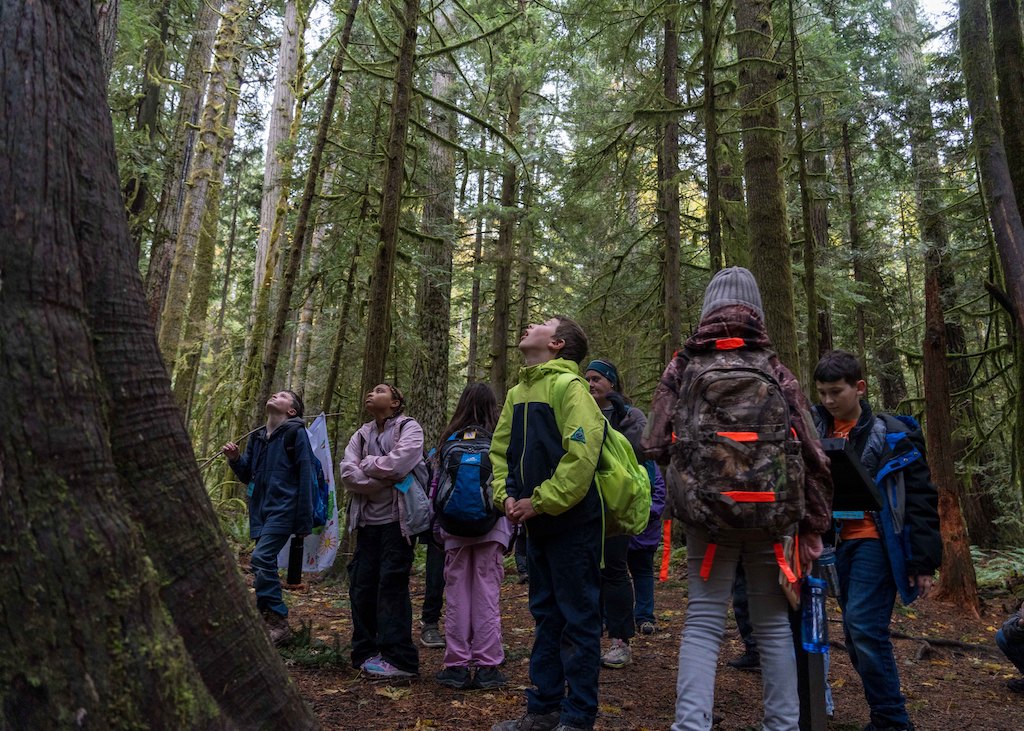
(892, 451)
(279, 473)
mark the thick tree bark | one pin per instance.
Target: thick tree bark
(129, 609)
(107, 12)
(178, 160)
(762, 165)
(382, 280)
(429, 392)
(735, 241)
(474, 297)
(996, 181)
(211, 142)
(668, 188)
(1008, 46)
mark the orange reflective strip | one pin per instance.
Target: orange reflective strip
(666, 550)
(729, 343)
(741, 496)
(796, 553)
(709, 558)
(740, 436)
(674, 438)
(780, 559)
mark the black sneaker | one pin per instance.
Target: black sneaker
(523, 579)
(431, 637)
(488, 677)
(1016, 685)
(530, 722)
(455, 677)
(749, 661)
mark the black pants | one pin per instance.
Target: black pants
(617, 589)
(379, 592)
(433, 597)
(741, 608)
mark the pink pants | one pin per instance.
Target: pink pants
(472, 623)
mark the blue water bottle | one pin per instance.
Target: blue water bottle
(813, 622)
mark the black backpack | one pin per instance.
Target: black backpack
(462, 500)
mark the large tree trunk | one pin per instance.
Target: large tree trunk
(709, 50)
(128, 608)
(762, 167)
(178, 160)
(668, 189)
(429, 392)
(382, 281)
(107, 12)
(996, 181)
(474, 296)
(1008, 46)
(212, 139)
(277, 159)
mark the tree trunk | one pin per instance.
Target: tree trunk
(762, 167)
(277, 159)
(186, 363)
(507, 224)
(996, 181)
(211, 142)
(735, 240)
(709, 50)
(668, 187)
(1008, 43)
(382, 280)
(429, 392)
(137, 614)
(106, 13)
(474, 297)
(178, 160)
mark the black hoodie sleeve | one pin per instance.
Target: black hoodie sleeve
(922, 513)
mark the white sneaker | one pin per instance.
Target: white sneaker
(618, 656)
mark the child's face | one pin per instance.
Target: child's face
(840, 398)
(538, 337)
(281, 403)
(380, 400)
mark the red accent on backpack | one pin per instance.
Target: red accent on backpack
(741, 496)
(729, 343)
(739, 436)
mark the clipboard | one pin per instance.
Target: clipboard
(855, 491)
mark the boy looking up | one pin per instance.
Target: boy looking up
(879, 554)
(277, 466)
(544, 453)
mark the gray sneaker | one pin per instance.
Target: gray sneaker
(431, 637)
(618, 655)
(530, 722)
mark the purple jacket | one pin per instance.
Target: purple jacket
(651, 536)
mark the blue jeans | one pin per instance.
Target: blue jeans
(641, 567)
(565, 600)
(1014, 651)
(264, 567)
(867, 600)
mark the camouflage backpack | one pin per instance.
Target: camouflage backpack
(737, 461)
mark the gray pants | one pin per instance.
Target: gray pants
(705, 624)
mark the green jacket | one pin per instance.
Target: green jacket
(546, 447)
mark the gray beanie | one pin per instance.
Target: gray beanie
(732, 286)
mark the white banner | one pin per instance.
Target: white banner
(322, 546)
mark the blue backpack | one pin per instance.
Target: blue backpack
(322, 507)
(462, 500)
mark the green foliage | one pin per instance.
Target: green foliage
(995, 569)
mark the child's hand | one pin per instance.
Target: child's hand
(924, 584)
(231, 451)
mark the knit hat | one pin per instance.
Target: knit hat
(732, 286)
(606, 369)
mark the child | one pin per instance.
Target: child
(544, 454)
(378, 457)
(277, 466)
(619, 597)
(895, 550)
(732, 319)
(473, 569)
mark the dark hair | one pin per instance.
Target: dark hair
(477, 407)
(297, 404)
(396, 395)
(576, 345)
(838, 365)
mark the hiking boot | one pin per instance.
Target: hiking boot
(530, 722)
(647, 628)
(875, 727)
(524, 578)
(378, 667)
(618, 655)
(278, 627)
(1016, 685)
(749, 661)
(431, 637)
(489, 677)
(455, 677)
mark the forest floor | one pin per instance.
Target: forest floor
(948, 686)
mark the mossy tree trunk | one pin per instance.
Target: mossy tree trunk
(178, 158)
(128, 608)
(474, 296)
(382, 279)
(668, 189)
(759, 73)
(709, 51)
